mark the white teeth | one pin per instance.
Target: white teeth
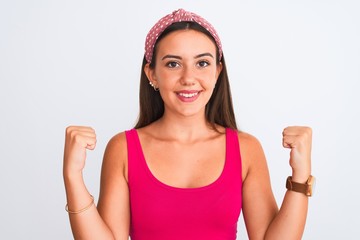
(188, 95)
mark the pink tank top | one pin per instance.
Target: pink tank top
(160, 211)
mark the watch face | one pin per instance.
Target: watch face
(311, 182)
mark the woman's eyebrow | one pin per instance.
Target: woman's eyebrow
(178, 57)
(171, 56)
(203, 55)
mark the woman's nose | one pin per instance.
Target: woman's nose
(187, 77)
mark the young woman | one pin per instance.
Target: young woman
(185, 171)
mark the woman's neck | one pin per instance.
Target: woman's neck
(183, 128)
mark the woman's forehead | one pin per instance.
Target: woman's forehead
(186, 40)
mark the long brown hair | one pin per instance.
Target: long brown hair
(218, 111)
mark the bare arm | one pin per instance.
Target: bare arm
(114, 202)
(89, 224)
(262, 218)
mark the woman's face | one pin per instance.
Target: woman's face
(185, 71)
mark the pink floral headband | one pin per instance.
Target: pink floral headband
(177, 16)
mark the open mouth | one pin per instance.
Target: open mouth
(188, 95)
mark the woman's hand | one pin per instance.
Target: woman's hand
(77, 140)
(299, 139)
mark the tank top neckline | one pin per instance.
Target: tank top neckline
(155, 180)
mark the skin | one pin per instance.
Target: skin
(184, 65)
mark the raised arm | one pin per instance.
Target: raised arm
(262, 218)
(85, 219)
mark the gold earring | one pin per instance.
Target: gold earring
(153, 85)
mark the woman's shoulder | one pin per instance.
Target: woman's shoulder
(251, 151)
(116, 148)
(115, 156)
(248, 140)
(117, 141)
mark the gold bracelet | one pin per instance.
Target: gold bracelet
(81, 210)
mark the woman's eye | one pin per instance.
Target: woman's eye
(172, 64)
(203, 64)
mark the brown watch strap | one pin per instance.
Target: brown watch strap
(297, 187)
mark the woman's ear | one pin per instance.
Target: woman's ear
(150, 74)
(219, 68)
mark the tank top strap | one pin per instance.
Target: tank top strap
(134, 153)
(233, 156)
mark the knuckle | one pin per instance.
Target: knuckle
(308, 131)
(76, 138)
(74, 135)
(68, 129)
(285, 131)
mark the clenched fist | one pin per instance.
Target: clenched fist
(77, 140)
(299, 139)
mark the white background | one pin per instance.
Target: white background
(78, 62)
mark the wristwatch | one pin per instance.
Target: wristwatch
(305, 188)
